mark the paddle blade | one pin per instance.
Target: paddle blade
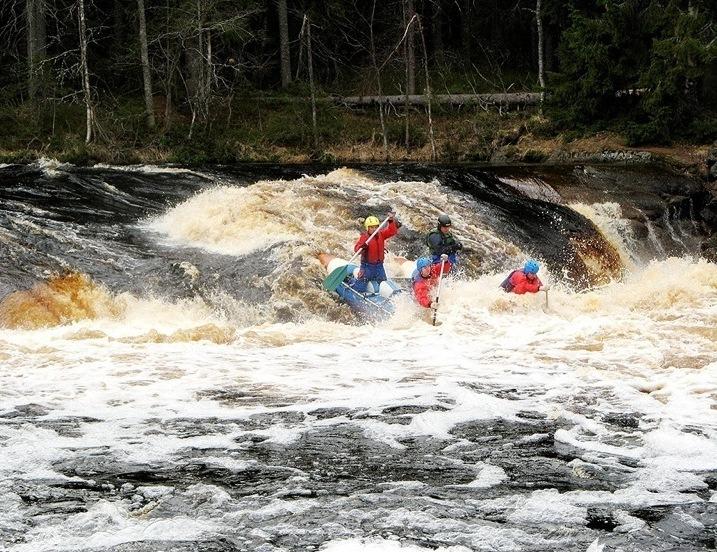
(333, 280)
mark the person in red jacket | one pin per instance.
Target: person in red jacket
(524, 280)
(425, 278)
(372, 252)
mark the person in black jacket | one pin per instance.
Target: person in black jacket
(442, 241)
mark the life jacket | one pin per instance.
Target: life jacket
(422, 288)
(374, 252)
(506, 284)
(447, 240)
(519, 283)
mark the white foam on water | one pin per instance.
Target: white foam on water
(489, 476)
(149, 169)
(51, 167)
(108, 524)
(12, 516)
(618, 231)
(535, 188)
(231, 221)
(316, 214)
(547, 507)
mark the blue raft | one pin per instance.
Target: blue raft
(376, 302)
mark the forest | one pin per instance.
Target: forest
(217, 80)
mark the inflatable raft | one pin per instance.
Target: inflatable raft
(377, 301)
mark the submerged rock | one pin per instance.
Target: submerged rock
(712, 164)
(709, 214)
(708, 248)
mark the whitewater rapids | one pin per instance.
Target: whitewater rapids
(133, 421)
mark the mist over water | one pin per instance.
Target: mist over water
(174, 378)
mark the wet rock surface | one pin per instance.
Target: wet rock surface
(711, 164)
(335, 482)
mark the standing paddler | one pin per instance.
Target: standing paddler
(372, 252)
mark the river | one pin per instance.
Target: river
(174, 378)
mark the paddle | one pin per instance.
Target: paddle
(545, 306)
(363, 296)
(438, 294)
(333, 280)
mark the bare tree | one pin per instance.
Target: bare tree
(36, 43)
(428, 89)
(407, 99)
(466, 31)
(306, 35)
(381, 105)
(169, 47)
(284, 43)
(84, 67)
(437, 32)
(194, 31)
(198, 55)
(410, 73)
(208, 67)
(146, 76)
(541, 54)
(363, 37)
(410, 49)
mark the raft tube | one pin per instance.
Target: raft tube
(377, 302)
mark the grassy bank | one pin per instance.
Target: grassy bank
(280, 131)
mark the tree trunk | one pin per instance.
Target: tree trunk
(437, 33)
(541, 63)
(194, 82)
(311, 84)
(378, 83)
(466, 33)
(197, 86)
(503, 99)
(284, 44)
(408, 23)
(407, 131)
(209, 77)
(119, 27)
(172, 56)
(146, 75)
(410, 48)
(169, 97)
(508, 99)
(428, 91)
(90, 114)
(36, 44)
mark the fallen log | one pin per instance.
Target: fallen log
(504, 99)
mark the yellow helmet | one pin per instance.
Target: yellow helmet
(371, 221)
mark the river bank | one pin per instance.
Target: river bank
(278, 136)
(598, 149)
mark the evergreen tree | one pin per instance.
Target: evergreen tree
(682, 55)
